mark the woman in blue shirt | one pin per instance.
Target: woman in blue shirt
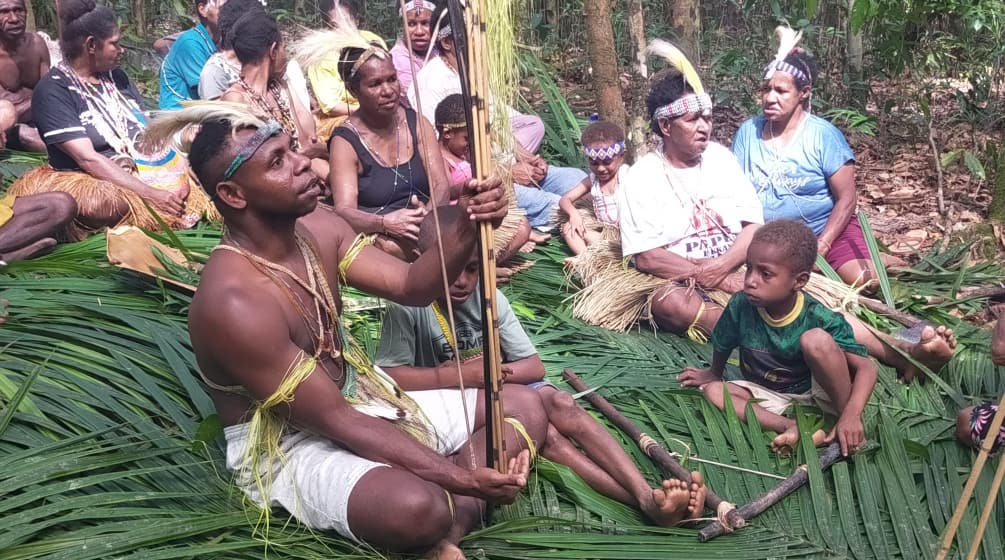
(803, 168)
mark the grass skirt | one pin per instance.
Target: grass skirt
(97, 198)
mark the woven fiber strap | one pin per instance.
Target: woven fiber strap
(248, 150)
(688, 104)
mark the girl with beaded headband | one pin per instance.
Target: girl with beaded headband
(381, 179)
(604, 147)
(801, 164)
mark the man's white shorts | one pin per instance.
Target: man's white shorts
(776, 402)
(315, 483)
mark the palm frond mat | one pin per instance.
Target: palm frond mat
(109, 447)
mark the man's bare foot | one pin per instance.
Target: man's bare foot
(444, 551)
(538, 237)
(669, 503)
(786, 441)
(528, 247)
(503, 274)
(934, 349)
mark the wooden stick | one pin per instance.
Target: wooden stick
(968, 488)
(655, 452)
(474, 84)
(798, 479)
(989, 505)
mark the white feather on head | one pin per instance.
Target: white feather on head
(676, 58)
(323, 45)
(165, 126)
(788, 38)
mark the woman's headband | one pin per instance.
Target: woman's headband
(415, 5)
(691, 103)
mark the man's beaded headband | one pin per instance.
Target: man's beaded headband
(453, 125)
(691, 103)
(264, 132)
(797, 74)
(414, 5)
(606, 153)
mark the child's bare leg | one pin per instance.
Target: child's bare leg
(786, 428)
(559, 449)
(934, 349)
(602, 458)
(828, 366)
(963, 433)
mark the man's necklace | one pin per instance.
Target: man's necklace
(315, 285)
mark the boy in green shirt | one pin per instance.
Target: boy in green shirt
(416, 349)
(791, 347)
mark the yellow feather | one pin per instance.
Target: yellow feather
(678, 60)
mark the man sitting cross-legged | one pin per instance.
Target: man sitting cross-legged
(792, 348)
(417, 351)
(311, 424)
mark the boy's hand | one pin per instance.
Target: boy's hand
(694, 377)
(849, 432)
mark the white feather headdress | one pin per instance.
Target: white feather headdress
(787, 41)
(677, 59)
(320, 46)
(166, 126)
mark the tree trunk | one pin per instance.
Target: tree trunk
(29, 17)
(859, 89)
(996, 210)
(140, 17)
(638, 130)
(604, 61)
(686, 19)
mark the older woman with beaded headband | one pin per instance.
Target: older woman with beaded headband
(687, 212)
(90, 116)
(801, 165)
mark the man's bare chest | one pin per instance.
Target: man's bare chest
(19, 70)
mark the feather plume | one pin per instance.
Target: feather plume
(165, 125)
(788, 38)
(322, 45)
(677, 59)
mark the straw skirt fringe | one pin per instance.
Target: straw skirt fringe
(97, 197)
(616, 295)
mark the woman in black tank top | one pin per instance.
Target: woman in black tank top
(385, 162)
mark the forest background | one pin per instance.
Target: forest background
(915, 84)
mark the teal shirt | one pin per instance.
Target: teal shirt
(771, 355)
(180, 72)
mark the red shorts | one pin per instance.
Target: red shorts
(849, 246)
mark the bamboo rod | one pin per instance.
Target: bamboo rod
(989, 505)
(655, 452)
(968, 488)
(481, 164)
(798, 479)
